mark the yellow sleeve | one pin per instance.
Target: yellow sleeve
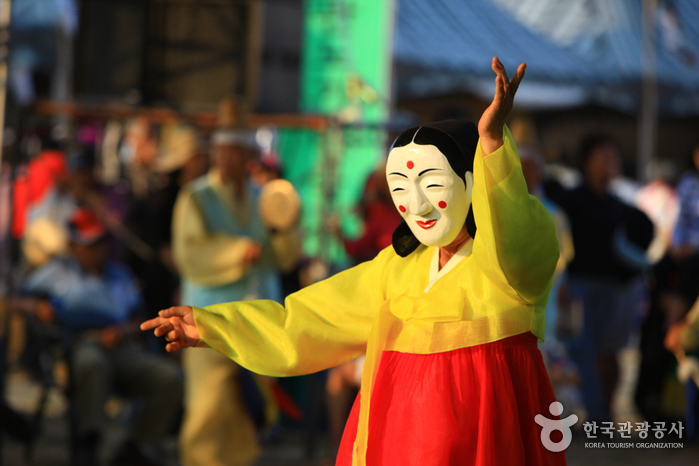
(202, 257)
(320, 326)
(565, 241)
(513, 229)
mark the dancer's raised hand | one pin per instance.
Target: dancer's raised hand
(492, 122)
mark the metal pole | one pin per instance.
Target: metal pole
(4, 313)
(4, 52)
(648, 125)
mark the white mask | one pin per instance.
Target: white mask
(427, 192)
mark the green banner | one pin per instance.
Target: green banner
(347, 57)
(346, 68)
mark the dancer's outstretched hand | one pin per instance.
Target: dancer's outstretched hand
(177, 324)
(492, 122)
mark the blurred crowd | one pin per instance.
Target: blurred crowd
(119, 221)
(620, 317)
(130, 216)
(104, 221)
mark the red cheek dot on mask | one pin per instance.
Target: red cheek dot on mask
(401, 208)
(442, 205)
(410, 164)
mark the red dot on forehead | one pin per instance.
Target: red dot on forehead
(410, 164)
(442, 204)
(401, 208)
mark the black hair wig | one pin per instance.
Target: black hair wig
(457, 140)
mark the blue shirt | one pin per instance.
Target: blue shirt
(687, 227)
(86, 301)
(262, 281)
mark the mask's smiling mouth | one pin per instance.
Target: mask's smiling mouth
(427, 224)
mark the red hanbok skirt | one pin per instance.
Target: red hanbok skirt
(470, 406)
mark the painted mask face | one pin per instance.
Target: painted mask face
(427, 192)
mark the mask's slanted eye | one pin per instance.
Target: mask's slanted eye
(397, 189)
(428, 170)
(435, 186)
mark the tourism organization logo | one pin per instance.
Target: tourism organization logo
(606, 430)
(549, 426)
(641, 430)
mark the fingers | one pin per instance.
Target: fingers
(499, 69)
(172, 346)
(164, 328)
(172, 335)
(150, 324)
(499, 87)
(517, 78)
(175, 311)
(171, 323)
(505, 89)
(176, 340)
(161, 326)
(521, 69)
(502, 78)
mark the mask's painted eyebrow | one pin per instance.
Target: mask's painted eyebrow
(399, 174)
(428, 170)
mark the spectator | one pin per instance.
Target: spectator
(685, 239)
(610, 238)
(178, 162)
(224, 252)
(36, 183)
(45, 235)
(94, 302)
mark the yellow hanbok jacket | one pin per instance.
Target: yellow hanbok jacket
(495, 287)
